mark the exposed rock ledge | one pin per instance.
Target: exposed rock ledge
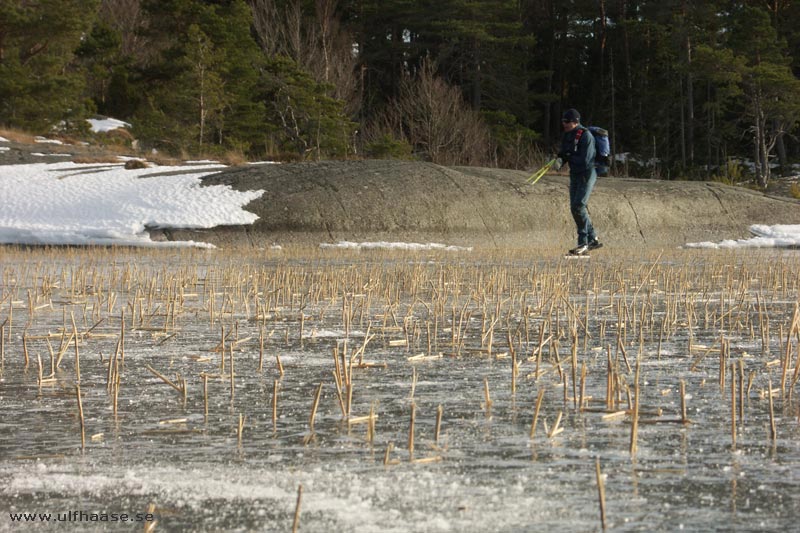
(422, 202)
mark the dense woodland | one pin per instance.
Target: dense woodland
(687, 88)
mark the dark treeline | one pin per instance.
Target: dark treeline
(686, 87)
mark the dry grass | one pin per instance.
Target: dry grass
(95, 159)
(67, 139)
(119, 136)
(106, 147)
(794, 190)
(17, 136)
(165, 160)
(234, 158)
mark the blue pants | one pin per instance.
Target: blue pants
(580, 188)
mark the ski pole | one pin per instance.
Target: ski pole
(541, 172)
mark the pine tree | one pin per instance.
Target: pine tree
(753, 72)
(200, 88)
(302, 118)
(99, 52)
(40, 85)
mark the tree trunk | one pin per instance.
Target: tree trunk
(766, 174)
(628, 72)
(683, 128)
(668, 130)
(325, 10)
(613, 108)
(476, 80)
(689, 90)
(709, 130)
(780, 148)
(689, 101)
(548, 106)
(602, 53)
(762, 156)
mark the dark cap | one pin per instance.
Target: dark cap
(571, 115)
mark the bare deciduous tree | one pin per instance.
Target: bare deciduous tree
(315, 41)
(126, 17)
(432, 117)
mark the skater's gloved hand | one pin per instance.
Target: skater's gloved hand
(558, 164)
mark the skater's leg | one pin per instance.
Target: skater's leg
(580, 189)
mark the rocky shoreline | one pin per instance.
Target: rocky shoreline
(422, 202)
(382, 200)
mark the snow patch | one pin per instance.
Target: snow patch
(395, 246)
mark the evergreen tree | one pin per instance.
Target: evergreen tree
(99, 52)
(383, 33)
(676, 82)
(751, 72)
(302, 118)
(200, 88)
(40, 86)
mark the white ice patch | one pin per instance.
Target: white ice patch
(106, 204)
(355, 500)
(331, 334)
(778, 236)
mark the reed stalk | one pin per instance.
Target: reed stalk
(438, 427)
(275, 385)
(601, 493)
(314, 406)
(684, 418)
(232, 375)
(487, 399)
(80, 415)
(536, 409)
(635, 415)
(25, 348)
(205, 395)
(733, 405)
(296, 521)
(411, 430)
(261, 348)
(77, 353)
(773, 433)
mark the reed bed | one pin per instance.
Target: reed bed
(573, 347)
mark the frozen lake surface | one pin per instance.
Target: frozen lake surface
(481, 336)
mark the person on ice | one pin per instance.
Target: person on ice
(578, 149)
